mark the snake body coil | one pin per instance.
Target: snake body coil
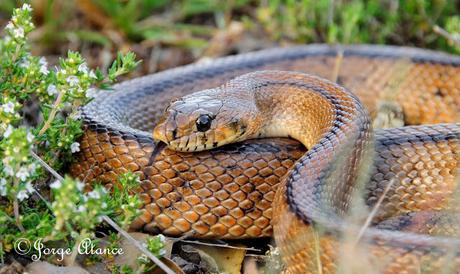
(228, 192)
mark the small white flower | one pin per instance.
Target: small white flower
(8, 170)
(92, 74)
(8, 107)
(91, 93)
(6, 160)
(44, 66)
(22, 195)
(29, 187)
(161, 237)
(80, 186)
(104, 205)
(30, 137)
(94, 194)
(9, 26)
(83, 68)
(24, 62)
(8, 131)
(32, 167)
(43, 61)
(44, 70)
(74, 234)
(22, 173)
(3, 187)
(56, 184)
(52, 90)
(81, 208)
(75, 147)
(18, 33)
(72, 80)
(26, 7)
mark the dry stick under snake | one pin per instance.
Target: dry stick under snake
(228, 191)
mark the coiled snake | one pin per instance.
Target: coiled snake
(405, 175)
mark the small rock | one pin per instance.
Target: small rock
(187, 267)
(13, 268)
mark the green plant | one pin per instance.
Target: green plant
(124, 202)
(156, 245)
(355, 21)
(24, 78)
(452, 27)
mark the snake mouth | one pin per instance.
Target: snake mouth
(200, 142)
(184, 144)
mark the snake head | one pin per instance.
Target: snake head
(202, 120)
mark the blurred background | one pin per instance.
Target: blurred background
(166, 34)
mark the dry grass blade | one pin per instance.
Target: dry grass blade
(138, 245)
(337, 66)
(373, 212)
(219, 245)
(108, 220)
(444, 33)
(318, 252)
(46, 166)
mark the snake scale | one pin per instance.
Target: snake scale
(321, 197)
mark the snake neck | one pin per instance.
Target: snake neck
(294, 109)
(331, 122)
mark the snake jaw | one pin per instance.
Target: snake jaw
(159, 133)
(166, 129)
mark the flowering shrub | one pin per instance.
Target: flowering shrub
(124, 203)
(74, 209)
(59, 93)
(156, 245)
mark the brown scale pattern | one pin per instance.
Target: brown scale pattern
(422, 161)
(184, 193)
(226, 192)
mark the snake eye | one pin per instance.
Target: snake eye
(203, 123)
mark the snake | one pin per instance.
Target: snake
(286, 143)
